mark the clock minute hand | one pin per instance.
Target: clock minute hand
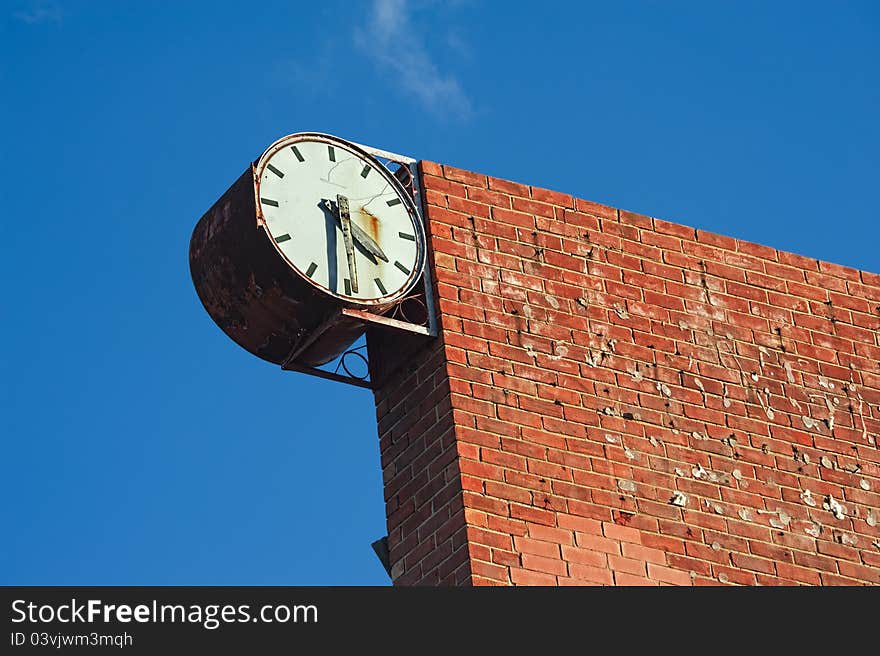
(345, 220)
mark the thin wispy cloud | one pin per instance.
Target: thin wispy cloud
(396, 46)
(40, 13)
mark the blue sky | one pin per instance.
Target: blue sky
(139, 444)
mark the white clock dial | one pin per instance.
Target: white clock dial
(338, 216)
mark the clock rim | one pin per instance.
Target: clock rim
(259, 167)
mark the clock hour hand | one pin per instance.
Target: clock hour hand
(345, 220)
(367, 242)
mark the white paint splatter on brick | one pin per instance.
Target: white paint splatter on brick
(831, 504)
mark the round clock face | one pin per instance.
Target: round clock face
(340, 218)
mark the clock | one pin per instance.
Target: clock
(315, 237)
(339, 218)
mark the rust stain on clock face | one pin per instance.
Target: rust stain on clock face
(370, 223)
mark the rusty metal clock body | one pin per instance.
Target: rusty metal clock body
(315, 227)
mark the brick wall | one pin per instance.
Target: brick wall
(616, 399)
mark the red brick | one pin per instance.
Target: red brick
(531, 514)
(468, 207)
(513, 527)
(799, 261)
(840, 271)
(814, 561)
(481, 470)
(502, 557)
(543, 564)
(634, 219)
(757, 250)
(508, 187)
(585, 556)
(489, 571)
(554, 197)
(551, 534)
(624, 579)
(596, 543)
(668, 575)
(664, 543)
(796, 573)
(622, 533)
(489, 197)
(488, 538)
(627, 565)
(532, 207)
(590, 574)
(860, 572)
(734, 576)
(580, 524)
(596, 209)
(675, 229)
(508, 492)
(526, 577)
(834, 579)
(466, 177)
(646, 554)
(685, 563)
(752, 563)
(430, 168)
(720, 241)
